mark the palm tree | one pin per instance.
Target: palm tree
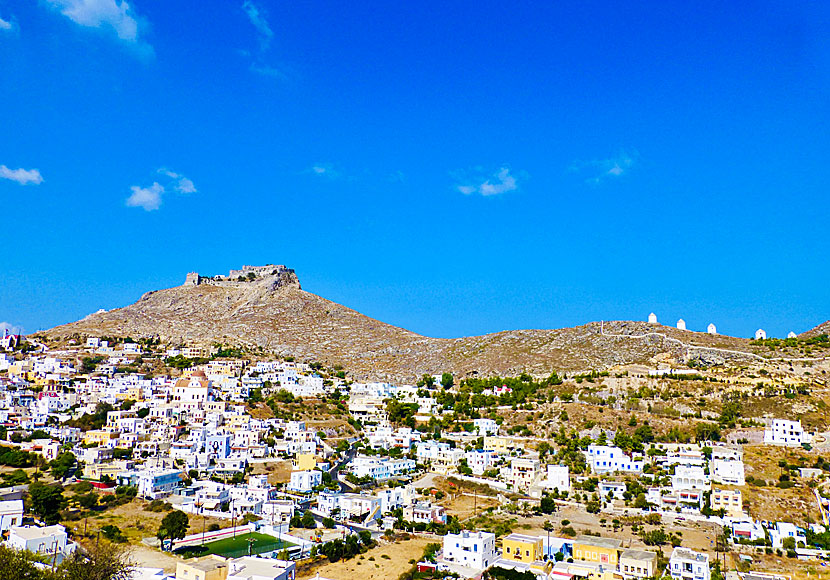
(548, 527)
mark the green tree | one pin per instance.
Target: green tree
(46, 501)
(426, 381)
(113, 534)
(106, 562)
(88, 501)
(19, 565)
(308, 520)
(447, 380)
(173, 526)
(62, 465)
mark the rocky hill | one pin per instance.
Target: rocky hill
(265, 307)
(823, 328)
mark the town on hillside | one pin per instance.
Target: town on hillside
(223, 462)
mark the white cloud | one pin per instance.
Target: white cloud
(116, 14)
(324, 170)
(147, 197)
(183, 184)
(257, 18)
(10, 328)
(604, 169)
(5, 24)
(500, 182)
(21, 176)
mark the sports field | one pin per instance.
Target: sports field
(254, 542)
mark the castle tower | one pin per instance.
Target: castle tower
(652, 318)
(192, 279)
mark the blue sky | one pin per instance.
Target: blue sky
(452, 168)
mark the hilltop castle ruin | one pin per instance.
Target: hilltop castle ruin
(270, 272)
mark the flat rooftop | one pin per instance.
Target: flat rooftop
(608, 543)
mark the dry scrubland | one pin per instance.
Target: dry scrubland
(384, 562)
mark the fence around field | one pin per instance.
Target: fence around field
(255, 550)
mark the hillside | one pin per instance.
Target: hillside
(823, 328)
(271, 311)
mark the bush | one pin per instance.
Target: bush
(113, 534)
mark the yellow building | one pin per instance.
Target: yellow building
(207, 568)
(498, 444)
(522, 548)
(729, 500)
(237, 421)
(100, 437)
(596, 549)
(97, 471)
(638, 563)
(305, 462)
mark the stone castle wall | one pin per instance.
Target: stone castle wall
(284, 276)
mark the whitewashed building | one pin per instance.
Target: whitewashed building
(784, 432)
(11, 514)
(476, 550)
(686, 564)
(305, 481)
(609, 459)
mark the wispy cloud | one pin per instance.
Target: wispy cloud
(183, 184)
(499, 182)
(267, 71)
(148, 198)
(257, 61)
(5, 24)
(324, 170)
(115, 14)
(10, 328)
(257, 18)
(21, 176)
(605, 169)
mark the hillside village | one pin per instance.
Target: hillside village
(227, 462)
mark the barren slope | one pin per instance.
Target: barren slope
(289, 321)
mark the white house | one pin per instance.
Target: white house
(558, 477)
(485, 427)
(479, 460)
(689, 477)
(783, 530)
(11, 514)
(476, 550)
(252, 568)
(760, 334)
(652, 318)
(784, 432)
(608, 459)
(380, 468)
(305, 481)
(438, 452)
(728, 471)
(157, 483)
(681, 324)
(612, 489)
(712, 329)
(47, 540)
(686, 564)
(791, 334)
